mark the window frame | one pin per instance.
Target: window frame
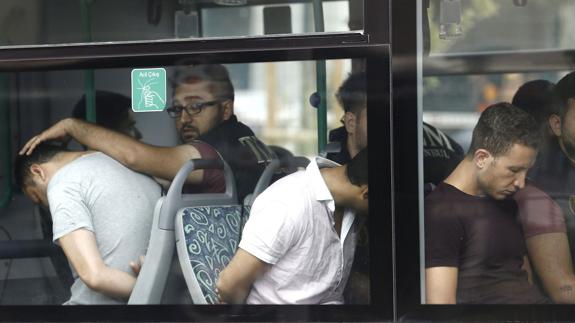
(372, 45)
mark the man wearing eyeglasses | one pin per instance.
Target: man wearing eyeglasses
(203, 111)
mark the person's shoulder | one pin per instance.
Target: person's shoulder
(288, 192)
(441, 191)
(441, 199)
(239, 127)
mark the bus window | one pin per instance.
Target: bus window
(273, 99)
(500, 45)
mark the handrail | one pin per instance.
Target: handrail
(321, 81)
(88, 74)
(5, 131)
(38, 248)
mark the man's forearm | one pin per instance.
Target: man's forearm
(230, 290)
(116, 145)
(113, 282)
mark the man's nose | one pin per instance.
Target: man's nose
(520, 180)
(185, 117)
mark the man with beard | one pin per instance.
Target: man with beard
(554, 171)
(204, 115)
(474, 247)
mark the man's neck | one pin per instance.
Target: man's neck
(351, 148)
(565, 152)
(463, 178)
(62, 159)
(337, 184)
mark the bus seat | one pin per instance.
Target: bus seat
(154, 284)
(269, 175)
(263, 182)
(207, 235)
(329, 148)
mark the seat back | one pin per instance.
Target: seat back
(292, 163)
(207, 235)
(151, 283)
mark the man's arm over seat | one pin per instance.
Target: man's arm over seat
(82, 251)
(161, 162)
(551, 259)
(235, 281)
(545, 230)
(441, 285)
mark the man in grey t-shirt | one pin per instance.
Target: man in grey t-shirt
(102, 214)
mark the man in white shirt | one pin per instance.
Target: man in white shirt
(298, 245)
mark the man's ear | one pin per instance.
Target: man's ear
(481, 157)
(349, 122)
(227, 109)
(555, 124)
(38, 171)
(364, 192)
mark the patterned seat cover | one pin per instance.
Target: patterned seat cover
(212, 235)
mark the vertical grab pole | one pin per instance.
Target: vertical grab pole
(88, 74)
(321, 81)
(5, 131)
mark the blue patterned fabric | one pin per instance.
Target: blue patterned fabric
(212, 236)
(245, 216)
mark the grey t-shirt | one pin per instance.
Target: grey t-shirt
(97, 193)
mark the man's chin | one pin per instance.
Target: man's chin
(503, 195)
(188, 138)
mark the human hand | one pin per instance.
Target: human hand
(220, 301)
(137, 265)
(56, 132)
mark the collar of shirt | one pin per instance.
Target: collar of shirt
(323, 194)
(320, 189)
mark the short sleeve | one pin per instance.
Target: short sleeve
(270, 230)
(538, 213)
(213, 180)
(444, 234)
(68, 209)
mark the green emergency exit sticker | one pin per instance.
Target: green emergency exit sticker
(148, 89)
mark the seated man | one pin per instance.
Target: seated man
(102, 214)
(541, 217)
(204, 116)
(474, 246)
(298, 244)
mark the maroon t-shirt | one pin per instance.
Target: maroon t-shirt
(538, 213)
(483, 239)
(213, 180)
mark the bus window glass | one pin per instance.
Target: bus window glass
(495, 146)
(278, 112)
(470, 26)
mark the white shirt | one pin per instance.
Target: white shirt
(291, 227)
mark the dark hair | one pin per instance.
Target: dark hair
(500, 126)
(356, 169)
(565, 90)
(351, 95)
(111, 109)
(217, 74)
(43, 153)
(537, 98)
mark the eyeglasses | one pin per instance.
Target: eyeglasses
(191, 109)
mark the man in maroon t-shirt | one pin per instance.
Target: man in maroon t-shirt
(475, 251)
(203, 112)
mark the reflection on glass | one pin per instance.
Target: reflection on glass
(35, 22)
(492, 25)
